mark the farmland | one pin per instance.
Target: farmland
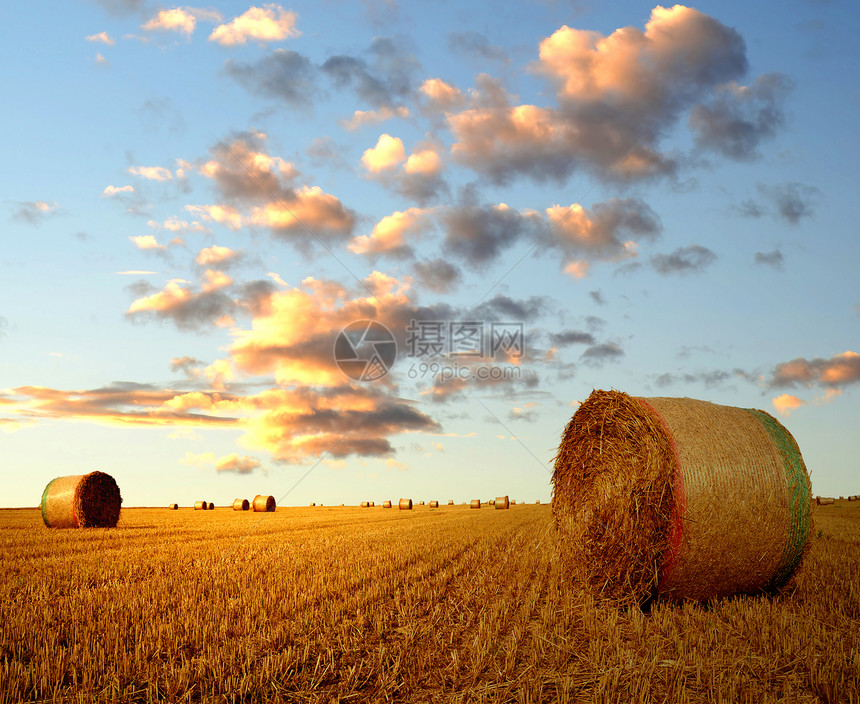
(372, 605)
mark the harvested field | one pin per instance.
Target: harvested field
(450, 606)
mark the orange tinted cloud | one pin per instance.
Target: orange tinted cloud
(839, 370)
(263, 24)
(786, 403)
(389, 234)
(309, 207)
(441, 95)
(387, 154)
(216, 254)
(151, 173)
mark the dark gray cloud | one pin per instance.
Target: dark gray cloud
(382, 80)
(792, 201)
(479, 234)
(239, 176)
(34, 212)
(738, 118)
(749, 209)
(197, 312)
(596, 355)
(324, 151)
(121, 8)
(715, 377)
(186, 364)
(773, 258)
(597, 297)
(255, 296)
(283, 74)
(501, 307)
(571, 337)
(474, 45)
(437, 275)
(684, 260)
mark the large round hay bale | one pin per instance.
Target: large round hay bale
(386, 504)
(825, 500)
(502, 502)
(263, 504)
(476, 503)
(241, 505)
(81, 501)
(173, 507)
(405, 504)
(679, 498)
(434, 504)
(201, 505)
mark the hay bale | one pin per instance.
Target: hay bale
(679, 498)
(173, 507)
(241, 505)
(386, 504)
(824, 501)
(81, 501)
(372, 504)
(211, 506)
(201, 505)
(476, 503)
(313, 503)
(537, 502)
(513, 503)
(263, 504)
(405, 504)
(420, 503)
(434, 504)
(450, 502)
(502, 502)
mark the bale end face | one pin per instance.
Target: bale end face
(82, 501)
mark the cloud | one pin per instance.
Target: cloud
(190, 366)
(225, 215)
(216, 254)
(387, 154)
(840, 370)
(618, 95)
(116, 190)
(151, 173)
(571, 337)
(474, 45)
(389, 235)
(684, 260)
(307, 210)
(120, 8)
(792, 201)
(773, 258)
(147, 242)
(786, 403)
(180, 19)
(437, 275)
(441, 96)
(102, 37)
(383, 80)
(715, 377)
(596, 355)
(234, 463)
(282, 74)
(479, 234)
(187, 309)
(739, 117)
(35, 212)
(270, 23)
(362, 118)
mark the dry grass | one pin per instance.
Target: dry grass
(451, 606)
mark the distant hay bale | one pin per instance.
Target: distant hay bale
(679, 498)
(313, 503)
(537, 502)
(501, 502)
(476, 503)
(211, 506)
(81, 501)
(824, 500)
(491, 502)
(173, 507)
(405, 504)
(434, 504)
(201, 505)
(851, 498)
(241, 505)
(450, 502)
(263, 504)
(364, 504)
(386, 504)
(420, 503)
(513, 503)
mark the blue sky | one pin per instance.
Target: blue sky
(198, 199)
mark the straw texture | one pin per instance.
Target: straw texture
(263, 504)
(81, 501)
(405, 504)
(679, 498)
(502, 502)
(241, 505)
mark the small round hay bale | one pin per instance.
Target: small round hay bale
(405, 504)
(211, 506)
(476, 503)
(263, 504)
(420, 503)
(241, 505)
(679, 498)
(201, 505)
(81, 501)
(450, 502)
(386, 504)
(313, 503)
(502, 502)
(513, 503)
(372, 504)
(825, 501)
(537, 502)
(173, 507)
(434, 504)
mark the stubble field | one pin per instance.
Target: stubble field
(374, 605)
